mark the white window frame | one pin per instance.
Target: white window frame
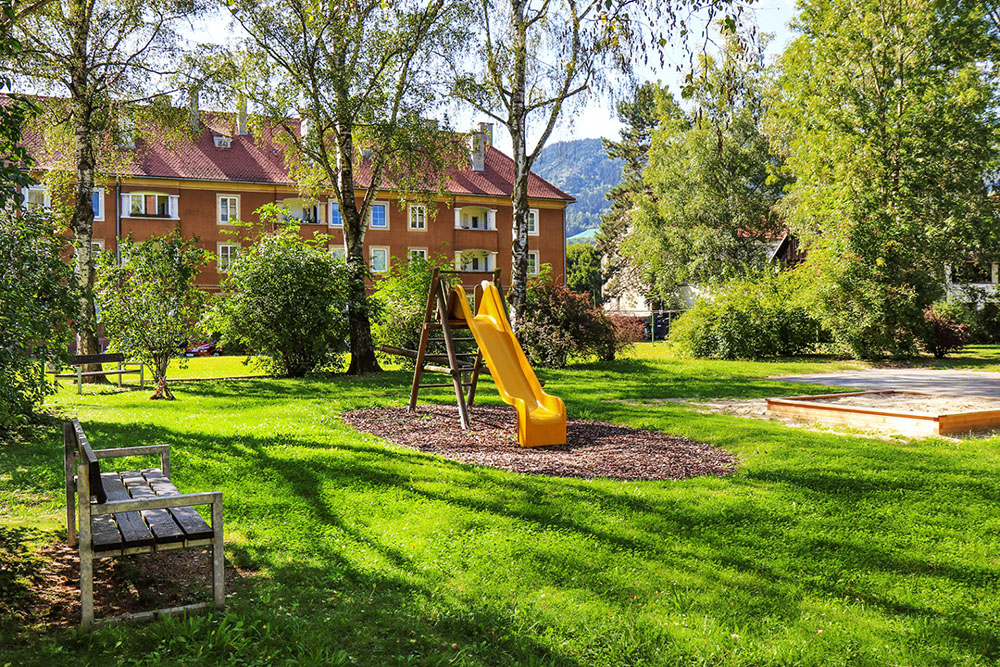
(172, 205)
(419, 251)
(46, 200)
(99, 214)
(229, 258)
(371, 257)
(334, 206)
(218, 208)
(96, 246)
(533, 255)
(533, 229)
(421, 216)
(371, 210)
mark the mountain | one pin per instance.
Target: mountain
(581, 168)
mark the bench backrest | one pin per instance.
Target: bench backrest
(81, 359)
(83, 450)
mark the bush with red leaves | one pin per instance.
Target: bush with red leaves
(943, 332)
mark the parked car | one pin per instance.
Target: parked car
(206, 349)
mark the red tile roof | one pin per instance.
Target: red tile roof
(261, 160)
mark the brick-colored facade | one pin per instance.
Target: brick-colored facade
(191, 188)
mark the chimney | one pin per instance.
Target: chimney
(486, 129)
(477, 148)
(194, 114)
(241, 115)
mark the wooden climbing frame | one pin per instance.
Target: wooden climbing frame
(463, 367)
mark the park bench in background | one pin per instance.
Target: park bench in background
(133, 512)
(123, 368)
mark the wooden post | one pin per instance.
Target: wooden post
(218, 554)
(69, 458)
(425, 333)
(449, 345)
(86, 547)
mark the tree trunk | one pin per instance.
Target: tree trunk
(161, 391)
(82, 225)
(517, 125)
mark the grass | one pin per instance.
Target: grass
(824, 549)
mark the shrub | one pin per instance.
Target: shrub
(746, 319)
(287, 299)
(38, 299)
(150, 302)
(401, 297)
(628, 330)
(561, 323)
(944, 329)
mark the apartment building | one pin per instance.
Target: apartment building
(201, 187)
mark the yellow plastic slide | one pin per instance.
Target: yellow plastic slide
(541, 418)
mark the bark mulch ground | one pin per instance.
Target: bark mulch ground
(593, 449)
(47, 593)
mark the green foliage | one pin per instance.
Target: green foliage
(560, 323)
(37, 303)
(401, 298)
(887, 116)
(149, 302)
(287, 299)
(583, 271)
(707, 208)
(747, 318)
(946, 328)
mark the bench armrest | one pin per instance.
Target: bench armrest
(160, 502)
(126, 364)
(145, 450)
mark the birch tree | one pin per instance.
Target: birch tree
(347, 85)
(107, 62)
(534, 59)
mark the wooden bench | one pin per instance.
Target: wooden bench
(123, 368)
(133, 512)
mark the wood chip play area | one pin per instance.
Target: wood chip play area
(592, 449)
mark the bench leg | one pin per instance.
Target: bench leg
(218, 558)
(86, 585)
(79, 380)
(119, 375)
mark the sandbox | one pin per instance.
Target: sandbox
(906, 412)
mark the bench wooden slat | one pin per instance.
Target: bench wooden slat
(135, 532)
(115, 371)
(111, 358)
(104, 533)
(87, 453)
(193, 525)
(160, 521)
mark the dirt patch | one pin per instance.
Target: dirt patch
(51, 595)
(593, 449)
(894, 401)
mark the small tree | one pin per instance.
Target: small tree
(37, 300)
(583, 271)
(288, 299)
(150, 303)
(401, 296)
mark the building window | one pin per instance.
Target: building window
(972, 272)
(339, 253)
(533, 222)
(335, 219)
(418, 253)
(222, 141)
(379, 259)
(96, 247)
(533, 263)
(475, 260)
(418, 217)
(227, 254)
(229, 209)
(378, 216)
(151, 205)
(36, 197)
(97, 201)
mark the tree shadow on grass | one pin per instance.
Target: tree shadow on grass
(744, 556)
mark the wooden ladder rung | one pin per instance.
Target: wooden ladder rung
(444, 384)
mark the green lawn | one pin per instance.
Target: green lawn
(824, 549)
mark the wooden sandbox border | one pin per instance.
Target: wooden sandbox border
(907, 423)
